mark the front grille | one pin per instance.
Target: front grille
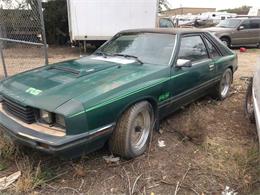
(24, 113)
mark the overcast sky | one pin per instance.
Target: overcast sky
(219, 4)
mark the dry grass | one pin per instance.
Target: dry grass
(219, 159)
(32, 176)
(234, 165)
(249, 168)
(7, 147)
(80, 168)
(192, 124)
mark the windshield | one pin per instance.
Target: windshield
(152, 48)
(229, 23)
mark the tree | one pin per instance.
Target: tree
(163, 5)
(243, 10)
(56, 22)
(18, 4)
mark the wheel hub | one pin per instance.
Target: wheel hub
(141, 127)
(225, 84)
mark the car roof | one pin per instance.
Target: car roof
(164, 30)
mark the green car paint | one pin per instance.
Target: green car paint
(91, 93)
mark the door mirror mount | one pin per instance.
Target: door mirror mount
(183, 63)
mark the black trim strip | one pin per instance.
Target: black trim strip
(189, 92)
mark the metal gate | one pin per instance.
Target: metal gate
(22, 36)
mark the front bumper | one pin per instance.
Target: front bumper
(67, 144)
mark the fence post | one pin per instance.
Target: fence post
(43, 32)
(3, 60)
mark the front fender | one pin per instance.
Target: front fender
(109, 110)
(75, 117)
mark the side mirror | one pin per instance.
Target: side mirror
(183, 63)
(241, 28)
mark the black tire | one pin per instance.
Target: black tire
(248, 105)
(220, 93)
(258, 45)
(121, 141)
(226, 41)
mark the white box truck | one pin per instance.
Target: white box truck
(94, 20)
(254, 11)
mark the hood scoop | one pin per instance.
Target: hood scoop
(77, 73)
(65, 69)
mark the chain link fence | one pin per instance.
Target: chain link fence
(22, 36)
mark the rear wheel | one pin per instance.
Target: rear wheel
(131, 135)
(223, 87)
(248, 106)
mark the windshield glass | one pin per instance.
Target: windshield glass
(153, 48)
(229, 23)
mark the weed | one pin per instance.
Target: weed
(7, 147)
(80, 169)
(3, 166)
(31, 177)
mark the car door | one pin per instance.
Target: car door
(216, 56)
(247, 33)
(189, 83)
(254, 31)
(240, 35)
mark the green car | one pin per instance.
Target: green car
(118, 94)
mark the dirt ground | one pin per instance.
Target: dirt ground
(209, 146)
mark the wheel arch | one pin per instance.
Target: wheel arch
(232, 70)
(227, 37)
(149, 99)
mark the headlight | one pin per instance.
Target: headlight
(47, 117)
(51, 118)
(59, 119)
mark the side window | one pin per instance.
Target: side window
(213, 52)
(254, 24)
(165, 23)
(193, 48)
(246, 24)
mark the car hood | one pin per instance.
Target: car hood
(218, 29)
(51, 86)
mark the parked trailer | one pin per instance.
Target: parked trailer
(216, 17)
(254, 11)
(99, 20)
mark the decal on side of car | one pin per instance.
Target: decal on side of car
(164, 96)
(33, 91)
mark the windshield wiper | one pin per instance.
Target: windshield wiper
(222, 26)
(129, 56)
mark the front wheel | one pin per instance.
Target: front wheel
(131, 135)
(258, 45)
(223, 87)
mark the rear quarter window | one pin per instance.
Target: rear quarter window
(213, 51)
(225, 51)
(255, 24)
